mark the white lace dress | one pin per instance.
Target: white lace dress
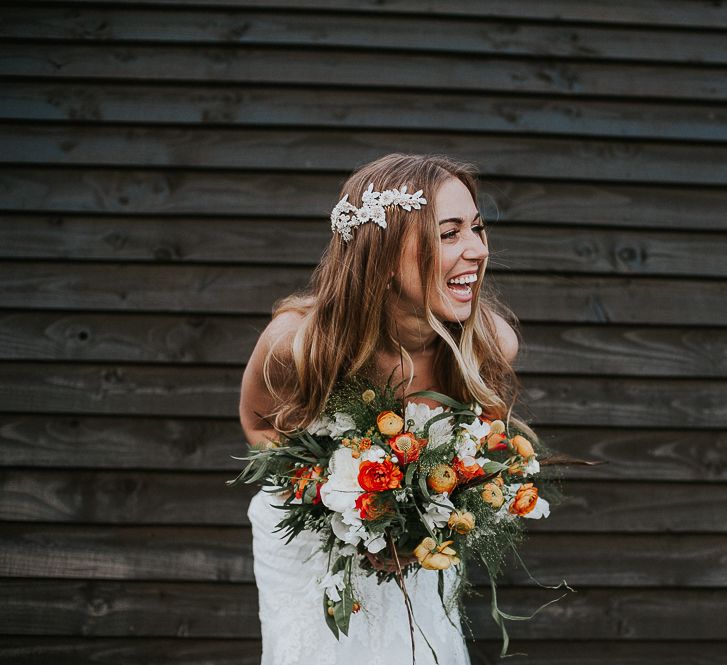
(294, 631)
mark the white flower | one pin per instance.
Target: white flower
(373, 454)
(347, 550)
(419, 413)
(343, 423)
(347, 527)
(341, 490)
(437, 516)
(541, 509)
(465, 447)
(532, 467)
(476, 429)
(320, 426)
(333, 584)
(375, 543)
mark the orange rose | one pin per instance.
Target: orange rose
(525, 500)
(389, 423)
(406, 447)
(523, 447)
(442, 478)
(371, 507)
(379, 476)
(466, 473)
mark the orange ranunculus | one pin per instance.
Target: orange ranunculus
(496, 441)
(516, 469)
(442, 478)
(493, 495)
(461, 522)
(389, 423)
(371, 507)
(525, 500)
(435, 557)
(379, 476)
(406, 447)
(466, 473)
(523, 447)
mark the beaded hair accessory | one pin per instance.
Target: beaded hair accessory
(345, 215)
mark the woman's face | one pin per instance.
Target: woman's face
(462, 252)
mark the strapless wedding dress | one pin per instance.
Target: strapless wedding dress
(294, 631)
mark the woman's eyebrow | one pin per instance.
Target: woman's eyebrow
(459, 220)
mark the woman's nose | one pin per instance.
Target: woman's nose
(476, 248)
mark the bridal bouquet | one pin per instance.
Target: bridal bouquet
(416, 486)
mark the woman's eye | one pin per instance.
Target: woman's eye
(479, 228)
(449, 234)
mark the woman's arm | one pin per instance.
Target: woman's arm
(255, 397)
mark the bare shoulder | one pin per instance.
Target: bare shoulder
(255, 395)
(507, 338)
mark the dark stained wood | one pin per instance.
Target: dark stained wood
(214, 392)
(302, 241)
(677, 13)
(165, 651)
(303, 66)
(92, 497)
(203, 193)
(213, 554)
(414, 32)
(218, 339)
(198, 289)
(283, 148)
(255, 105)
(146, 609)
(60, 442)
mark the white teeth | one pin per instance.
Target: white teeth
(464, 279)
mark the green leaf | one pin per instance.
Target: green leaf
(330, 621)
(442, 399)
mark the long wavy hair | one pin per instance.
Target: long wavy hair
(345, 320)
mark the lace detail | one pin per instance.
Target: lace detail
(294, 631)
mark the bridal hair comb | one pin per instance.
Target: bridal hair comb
(346, 215)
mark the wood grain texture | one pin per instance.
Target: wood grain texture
(166, 651)
(228, 193)
(217, 339)
(199, 289)
(336, 67)
(190, 444)
(214, 393)
(518, 247)
(417, 32)
(132, 497)
(287, 148)
(318, 106)
(214, 554)
(213, 610)
(676, 13)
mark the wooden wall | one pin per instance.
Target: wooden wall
(167, 169)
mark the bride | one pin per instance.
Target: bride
(399, 289)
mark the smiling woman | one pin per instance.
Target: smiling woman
(400, 293)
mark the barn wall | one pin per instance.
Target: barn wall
(166, 173)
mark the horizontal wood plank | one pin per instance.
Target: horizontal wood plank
(340, 67)
(198, 289)
(233, 193)
(132, 497)
(215, 339)
(207, 554)
(186, 651)
(283, 148)
(214, 392)
(417, 32)
(152, 609)
(354, 109)
(676, 13)
(523, 248)
(87, 442)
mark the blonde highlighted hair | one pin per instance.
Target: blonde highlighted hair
(344, 319)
